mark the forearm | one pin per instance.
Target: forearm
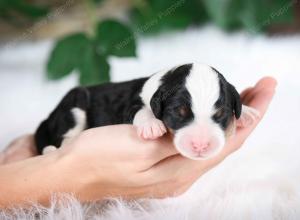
(35, 179)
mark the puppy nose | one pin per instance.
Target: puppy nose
(200, 146)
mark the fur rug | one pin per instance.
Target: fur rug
(260, 181)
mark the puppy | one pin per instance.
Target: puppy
(193, 101)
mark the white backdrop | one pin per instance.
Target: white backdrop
(262, 178)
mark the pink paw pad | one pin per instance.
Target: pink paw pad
(152, 129)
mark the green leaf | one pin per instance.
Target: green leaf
(20, 12)
(155, 15)
(94, 68)
(66, 55)
(254, 15)
(115, 38)
(25, 8)
(224, 13)
(259, 15)
(30, 10)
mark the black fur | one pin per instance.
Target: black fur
(171, 97)
(107, 104)
(228, 104)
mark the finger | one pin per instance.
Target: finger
(264, 83)
(261, 96)
(244, 93)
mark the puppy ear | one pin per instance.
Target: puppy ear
(156, 103)
(236, 101)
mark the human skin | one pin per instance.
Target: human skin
(113, 161)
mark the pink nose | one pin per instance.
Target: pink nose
(200, 147)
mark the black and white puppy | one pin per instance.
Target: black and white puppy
(193, 101)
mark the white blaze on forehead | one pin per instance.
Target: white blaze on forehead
(203, 85)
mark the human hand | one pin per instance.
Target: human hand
(113, 161)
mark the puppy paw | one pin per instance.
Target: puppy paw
(152, 129)
(248, 116)
(49, 149)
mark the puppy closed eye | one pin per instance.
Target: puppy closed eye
(219, 113)
(183, 111)
(223, 116)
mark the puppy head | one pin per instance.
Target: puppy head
(198, 105)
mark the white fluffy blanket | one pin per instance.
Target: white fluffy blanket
(260, 181)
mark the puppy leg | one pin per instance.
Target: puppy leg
(80, 124)
(66, 121)
(248, 116)
(148, 126)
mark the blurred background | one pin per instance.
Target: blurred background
(48, 47)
